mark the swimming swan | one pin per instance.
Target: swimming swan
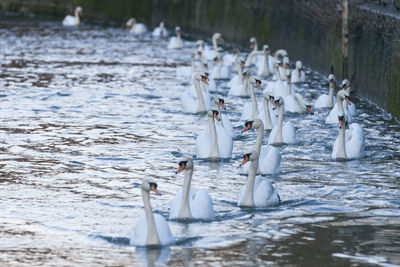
(175, 42)
(151, 229)
(73, 20)
(190, 203)
(282, 133)
(136, 29)
(327, 101)
(257, 192)
(269, 156)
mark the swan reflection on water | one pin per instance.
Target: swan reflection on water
(153, 256)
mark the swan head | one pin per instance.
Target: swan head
(299, 65)
(253, 42)
(249, 157)
(309, 109)
(269, 96)
(245, 73)
(343, 122)
(278, 102)
(213, 113)
(331, 78)
(285, 62)
(217, 36)
(345, 84)
(204, 77)
(177, 29)
(219, 100)
(78, 11)
(217, 58)
(254, 80)
(184, 164)
(252, 124)
(150, 186)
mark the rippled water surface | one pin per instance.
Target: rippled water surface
(87, 113)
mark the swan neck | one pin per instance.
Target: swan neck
(268, 122)
(341, 151)
(253, 101)
(192, 61)
(278, 137)
(248, 198)
(215, 45)
(276, 72)
(201, 106)
(288, 88)
(213, 139)
(266, 66)
(330, 97)
(244, 87)
(260, 135)
(339, 101)
(184, 211)
(152, 236)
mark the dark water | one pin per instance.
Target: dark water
(87, 113)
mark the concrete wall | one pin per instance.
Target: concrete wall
(281, 24)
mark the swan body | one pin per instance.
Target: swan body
(327, 101)
(257, 192)
(73, 20)
(214, 142)
(175, 42)
(151, 229)
(294, 102)
(265, 63)
(200, 102)
(269, 156)
(298, 74)
(137, 29)
(190, 203)
(236, 84)
(282, 133)
(160, 31)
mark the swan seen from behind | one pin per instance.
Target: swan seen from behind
(137, 29)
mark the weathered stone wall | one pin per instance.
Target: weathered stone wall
(374, 57)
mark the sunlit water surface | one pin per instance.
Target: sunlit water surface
(87, 113)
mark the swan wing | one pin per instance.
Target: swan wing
(69, 21)
(289, 133)
(163, 231)
(265, 195)
(225, 143)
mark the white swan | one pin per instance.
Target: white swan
(196, 103)
(73, 20)
(224, 121)
(265, 64)
(277, 85)
(220, 71)
(298, 74)
(257, 192)
(160, 31)
(212, 143)
(250, 109)
(350, 142)
(270, 156)
(151, 229)
(294, 102)
(175, 42)
(282, 133)
(327, 101)
(345, 104)
(190, 203)
(253, 44)
(137, 29)
(210, 54)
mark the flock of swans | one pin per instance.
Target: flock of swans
(267, 116)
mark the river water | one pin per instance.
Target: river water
(87, 113)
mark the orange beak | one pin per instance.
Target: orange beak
(216, 117)
(310, 110)
(204, 81)
(348, 100)
(222, 106)
(181, 168)
(248, 127)
(244, 161)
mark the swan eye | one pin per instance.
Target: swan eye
(215, 112)
(248, 123)
(258, 81)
